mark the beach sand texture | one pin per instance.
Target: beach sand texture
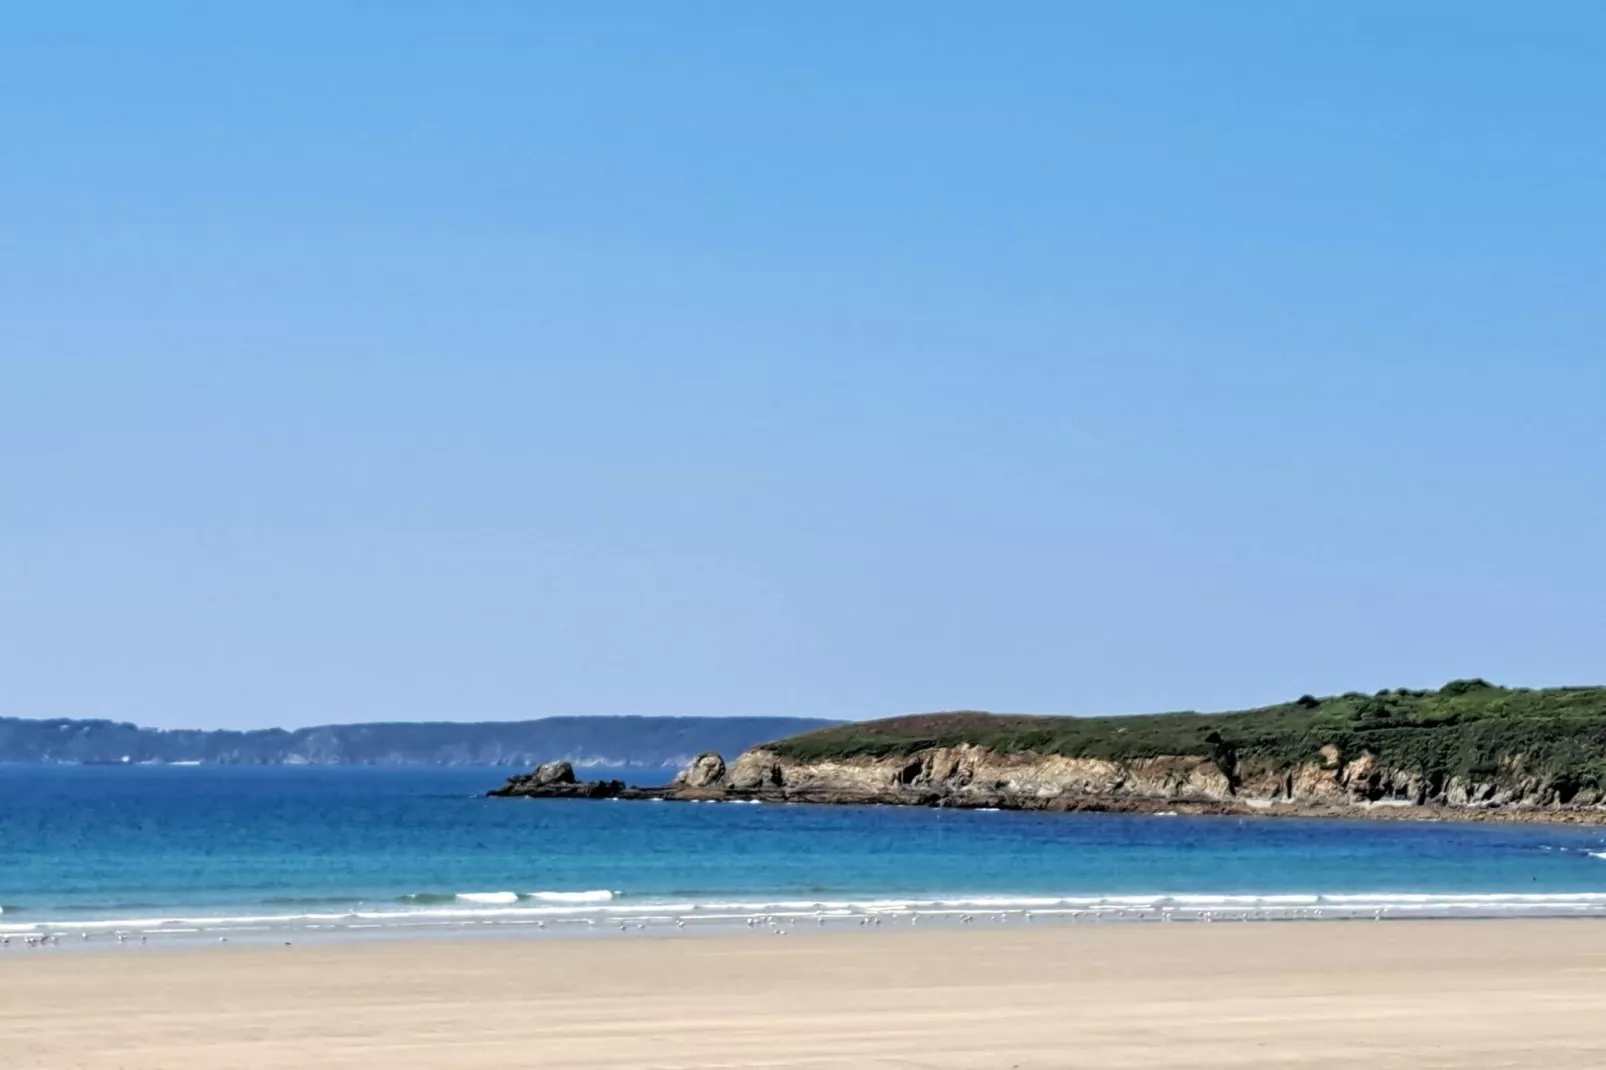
(1318, 994)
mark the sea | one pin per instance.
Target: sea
(155, 853)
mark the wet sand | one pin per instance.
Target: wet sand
(1311, 994)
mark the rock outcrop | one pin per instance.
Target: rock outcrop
(705, 771)
(974, 777)
(556, 780)
(964, 776)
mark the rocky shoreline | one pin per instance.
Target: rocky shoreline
(974, 778)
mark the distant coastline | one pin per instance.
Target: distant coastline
(639, 743)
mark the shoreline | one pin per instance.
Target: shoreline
(650, 917)
(1382, 810)
(1319, 995)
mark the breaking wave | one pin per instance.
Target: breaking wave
(592, 908)
(506, 898)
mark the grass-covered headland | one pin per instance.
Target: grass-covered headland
(1468, 728)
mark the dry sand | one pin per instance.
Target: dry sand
(1317, 994)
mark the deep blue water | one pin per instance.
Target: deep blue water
(152, 842)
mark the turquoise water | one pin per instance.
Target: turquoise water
(211, 848)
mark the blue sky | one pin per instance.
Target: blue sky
(498, 360)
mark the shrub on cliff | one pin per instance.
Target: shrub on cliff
(1469, 728)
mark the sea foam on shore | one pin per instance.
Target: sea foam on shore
(606, 911)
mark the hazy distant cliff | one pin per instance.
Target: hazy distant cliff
(626, 742)
(1470, 749)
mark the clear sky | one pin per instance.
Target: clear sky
(496, 360)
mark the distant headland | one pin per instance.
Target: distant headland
(640, 744)
(1467, 750)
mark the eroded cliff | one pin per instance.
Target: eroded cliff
(1468, 750)
(974, 777)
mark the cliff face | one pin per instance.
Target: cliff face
(1469, 749)
(972, 776)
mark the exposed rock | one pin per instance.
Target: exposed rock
(556, 780)
(974, 777)
(756, 769)
(549, 773)
(705, 771)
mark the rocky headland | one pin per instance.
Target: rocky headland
(1470, 751)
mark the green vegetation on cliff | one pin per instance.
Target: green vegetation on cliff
(1468, 728)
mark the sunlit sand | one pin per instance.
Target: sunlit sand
(1443, 994)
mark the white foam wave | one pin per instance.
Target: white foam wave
(599, 896)
(591, 907)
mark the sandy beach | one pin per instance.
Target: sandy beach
(1395, 994)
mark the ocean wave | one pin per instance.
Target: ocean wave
(488, 898)
(505, 898)
(593, 907)
(99, 908)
